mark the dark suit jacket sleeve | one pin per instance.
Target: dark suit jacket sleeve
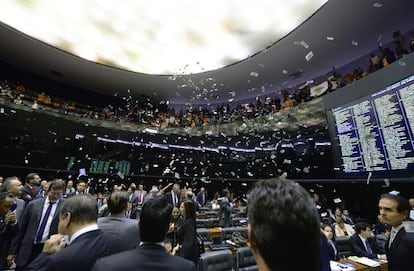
(39, 264)
(187, 238)
(23, 224)
(26, 194)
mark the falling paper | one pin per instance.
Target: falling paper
(309, 56)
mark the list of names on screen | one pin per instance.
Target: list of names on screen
(376, 133)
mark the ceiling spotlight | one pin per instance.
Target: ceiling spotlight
(377, 5)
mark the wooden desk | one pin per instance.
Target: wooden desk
(361, 267)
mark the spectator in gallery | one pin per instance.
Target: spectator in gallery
(35, 105)
(18, 100)
(281, 217)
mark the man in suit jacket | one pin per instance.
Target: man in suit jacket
(225, 209)
(80, 189)
(33, 232)
(174, 196)
(86, 242)
(140, 195)
(363, 245)
(151, 254)
(202, 197)
(31, 187)
(399, 248)
(8, 226)
(13, 186)
(117, 223)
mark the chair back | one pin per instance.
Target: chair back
(343, 246)
(221, 260)
(245, 260)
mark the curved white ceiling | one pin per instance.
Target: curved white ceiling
(159, 37)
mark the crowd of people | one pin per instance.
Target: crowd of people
(53, 225)
(147, 112)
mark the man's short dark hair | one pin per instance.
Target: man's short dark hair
(361, 226)
(7, 183)
(30, 177)
(83, 209)
(284, 225)
(117, 202)
(155, 219)
(402, 203)
(57, 184)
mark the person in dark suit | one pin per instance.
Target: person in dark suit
(394, 210)
(363, 245)
(151, 254)
(85, 244)
(224, 212)
(325, 257)
(80, 189)
(202, 197)
(39, 221)
(331, 244)
(284, 229)
(31, 187)
(8, 226)
(117, 223)
(174, 196)
(187, 246)
(13, 186)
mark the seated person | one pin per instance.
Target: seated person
(342, 229)
(332, 249)
(363, 245)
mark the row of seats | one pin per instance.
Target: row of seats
(213, 222)
(223, 261)
(226, 234)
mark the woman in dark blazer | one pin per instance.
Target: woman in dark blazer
(175, 223)
(187, 237)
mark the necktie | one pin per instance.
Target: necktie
(333, 247)
(33, 192)
(369, 250)
(42, 227)
(140, 197)
(392, 236)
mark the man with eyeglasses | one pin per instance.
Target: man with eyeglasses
(39, 221)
